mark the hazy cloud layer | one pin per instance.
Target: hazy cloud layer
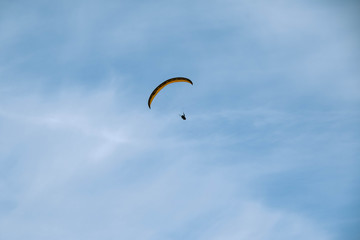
(269, 150)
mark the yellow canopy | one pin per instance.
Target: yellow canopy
(163, 84)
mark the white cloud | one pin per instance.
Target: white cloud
(122, 175)
(93, 162)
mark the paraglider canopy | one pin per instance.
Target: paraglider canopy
(165, 83)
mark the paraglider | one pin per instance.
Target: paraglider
(165, 83)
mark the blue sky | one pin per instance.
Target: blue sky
(270, 149)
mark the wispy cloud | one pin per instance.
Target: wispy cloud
(269, 150)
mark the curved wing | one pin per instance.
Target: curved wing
(163, 84)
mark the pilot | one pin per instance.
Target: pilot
(183, 116)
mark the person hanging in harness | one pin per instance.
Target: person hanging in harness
(183, 116)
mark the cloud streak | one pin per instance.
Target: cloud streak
(268, 151)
